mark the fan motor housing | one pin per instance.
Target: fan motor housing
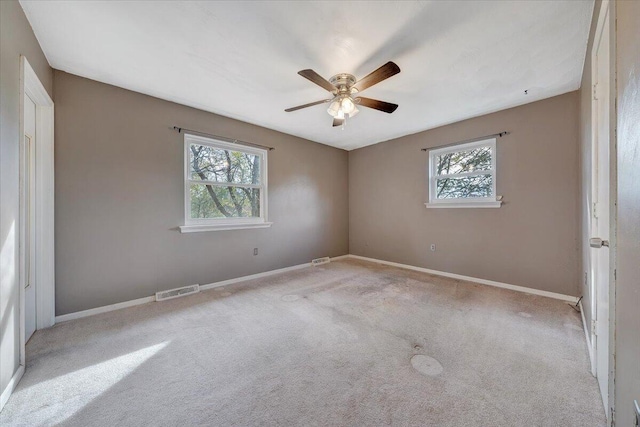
(343, 82)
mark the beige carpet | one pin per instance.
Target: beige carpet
(323, 346)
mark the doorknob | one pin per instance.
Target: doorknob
(597, 242)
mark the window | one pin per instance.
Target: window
(225, 185)
(463, 175)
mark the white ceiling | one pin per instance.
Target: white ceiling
(459, 59)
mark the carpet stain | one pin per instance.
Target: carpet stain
(290, 298)
(527, 315)
(426, 365)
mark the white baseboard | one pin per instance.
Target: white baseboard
(472, 279)
(139, 301)
(13, 383)
(125, 304)
(253, 276)
(103, 309)
(587, 336)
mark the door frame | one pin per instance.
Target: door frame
(31, 86)
(607, 12)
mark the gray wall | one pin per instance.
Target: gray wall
(627, 348)
(532, 240)
(119, 199)
(16, 38)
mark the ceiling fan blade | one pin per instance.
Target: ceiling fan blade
(387, 70)
(317, 79)
(311, 104)
(387, 107)
(337, 122)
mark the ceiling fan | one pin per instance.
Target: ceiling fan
(344, 87)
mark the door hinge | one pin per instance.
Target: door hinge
(595, 209)
(595, 91)
(594, 323)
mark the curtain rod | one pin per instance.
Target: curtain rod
(480, 138)
(224, 138)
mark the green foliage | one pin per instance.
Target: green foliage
(203, 203)
(470, 161)
(218, 167)
(469, 186)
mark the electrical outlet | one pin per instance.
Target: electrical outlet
(433, 247)
(255, 251)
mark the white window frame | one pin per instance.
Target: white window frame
(463, 202)
(220, 224)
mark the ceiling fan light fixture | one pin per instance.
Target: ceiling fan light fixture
(347, 105)
(334, 107)
(341, 106)
(343, 87)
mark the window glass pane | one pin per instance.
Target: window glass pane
(464, 186)
(477, 159)
(219, 165)
(212, 201)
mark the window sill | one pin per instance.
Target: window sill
(222, 227)
(488, 204)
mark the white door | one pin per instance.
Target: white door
(27, 241)
(600, 214)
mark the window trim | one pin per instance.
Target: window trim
(468, 202)
(220, 224)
